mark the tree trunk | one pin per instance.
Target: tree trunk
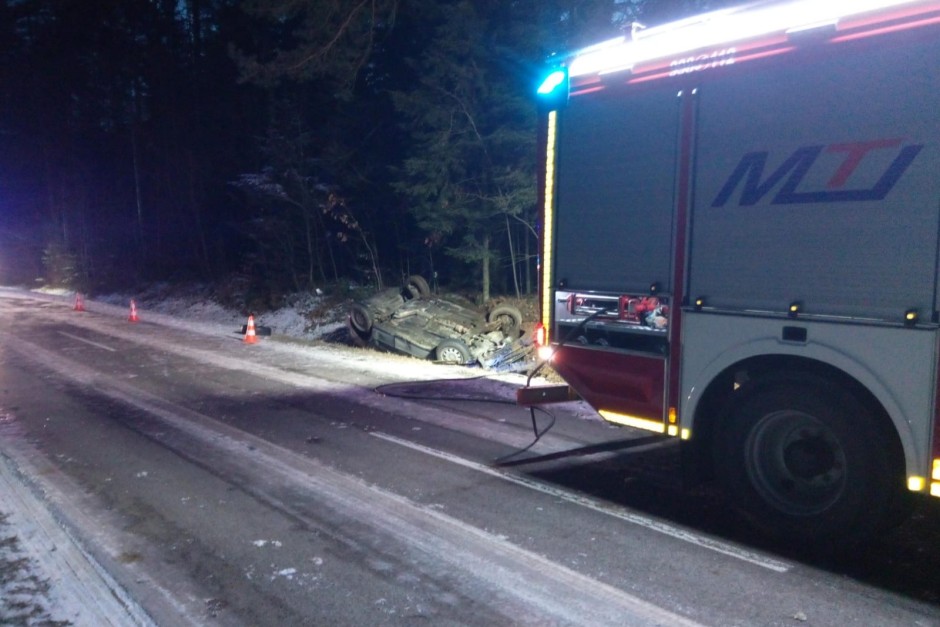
(486, 268)
(512, 257)
(528, 262)
(137, 196)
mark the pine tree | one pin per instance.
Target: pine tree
(470, 160)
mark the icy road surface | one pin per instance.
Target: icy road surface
(155, 474)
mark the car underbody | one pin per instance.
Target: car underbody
(414, 322)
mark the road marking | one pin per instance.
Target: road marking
(500, 433)
(410, 409)
(611, 510)
(87, 341)
(496, 432)
(517, 579)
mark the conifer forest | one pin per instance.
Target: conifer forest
(283, 144)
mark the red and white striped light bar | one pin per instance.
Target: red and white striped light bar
(725, 29)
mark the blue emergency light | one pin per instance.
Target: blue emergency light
(552, 82)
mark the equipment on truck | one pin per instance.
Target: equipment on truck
(740, 218)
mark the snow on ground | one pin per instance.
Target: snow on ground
(46, 578)
(24, 592)
(304, 316)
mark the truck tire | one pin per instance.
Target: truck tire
(804, 460)
(417, 286)
(452, 352)
(509, 318)
(360, 318)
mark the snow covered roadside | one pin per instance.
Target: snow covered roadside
(46, 578)
(203, 315)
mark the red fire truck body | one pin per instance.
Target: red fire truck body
(740, 245)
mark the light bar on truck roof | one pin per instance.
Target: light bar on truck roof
(734, 26)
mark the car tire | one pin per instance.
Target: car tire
(360, 318)
(357, 337)
(452, 352)
(417, 286)
(509, 318)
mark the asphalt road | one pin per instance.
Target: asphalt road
(218, 483)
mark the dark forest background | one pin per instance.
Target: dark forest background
(281, 145)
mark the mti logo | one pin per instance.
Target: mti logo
(750, 171)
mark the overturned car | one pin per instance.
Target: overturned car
(412, 321)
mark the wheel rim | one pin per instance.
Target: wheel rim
(451, 355)
(507, 319)
(796, 462)
(359, 319)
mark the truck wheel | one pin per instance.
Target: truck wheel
(452, 352)
(417, 286)
(360, 318)
(508, 317)
(804, 460)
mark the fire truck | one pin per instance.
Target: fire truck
(740, 243)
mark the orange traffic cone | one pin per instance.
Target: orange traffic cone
(133, 317)
(79, 302)
(250, 336)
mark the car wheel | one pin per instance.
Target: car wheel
(358, 338)
(508, 317)
(360, 318)
(417, 286)
(452, 352)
